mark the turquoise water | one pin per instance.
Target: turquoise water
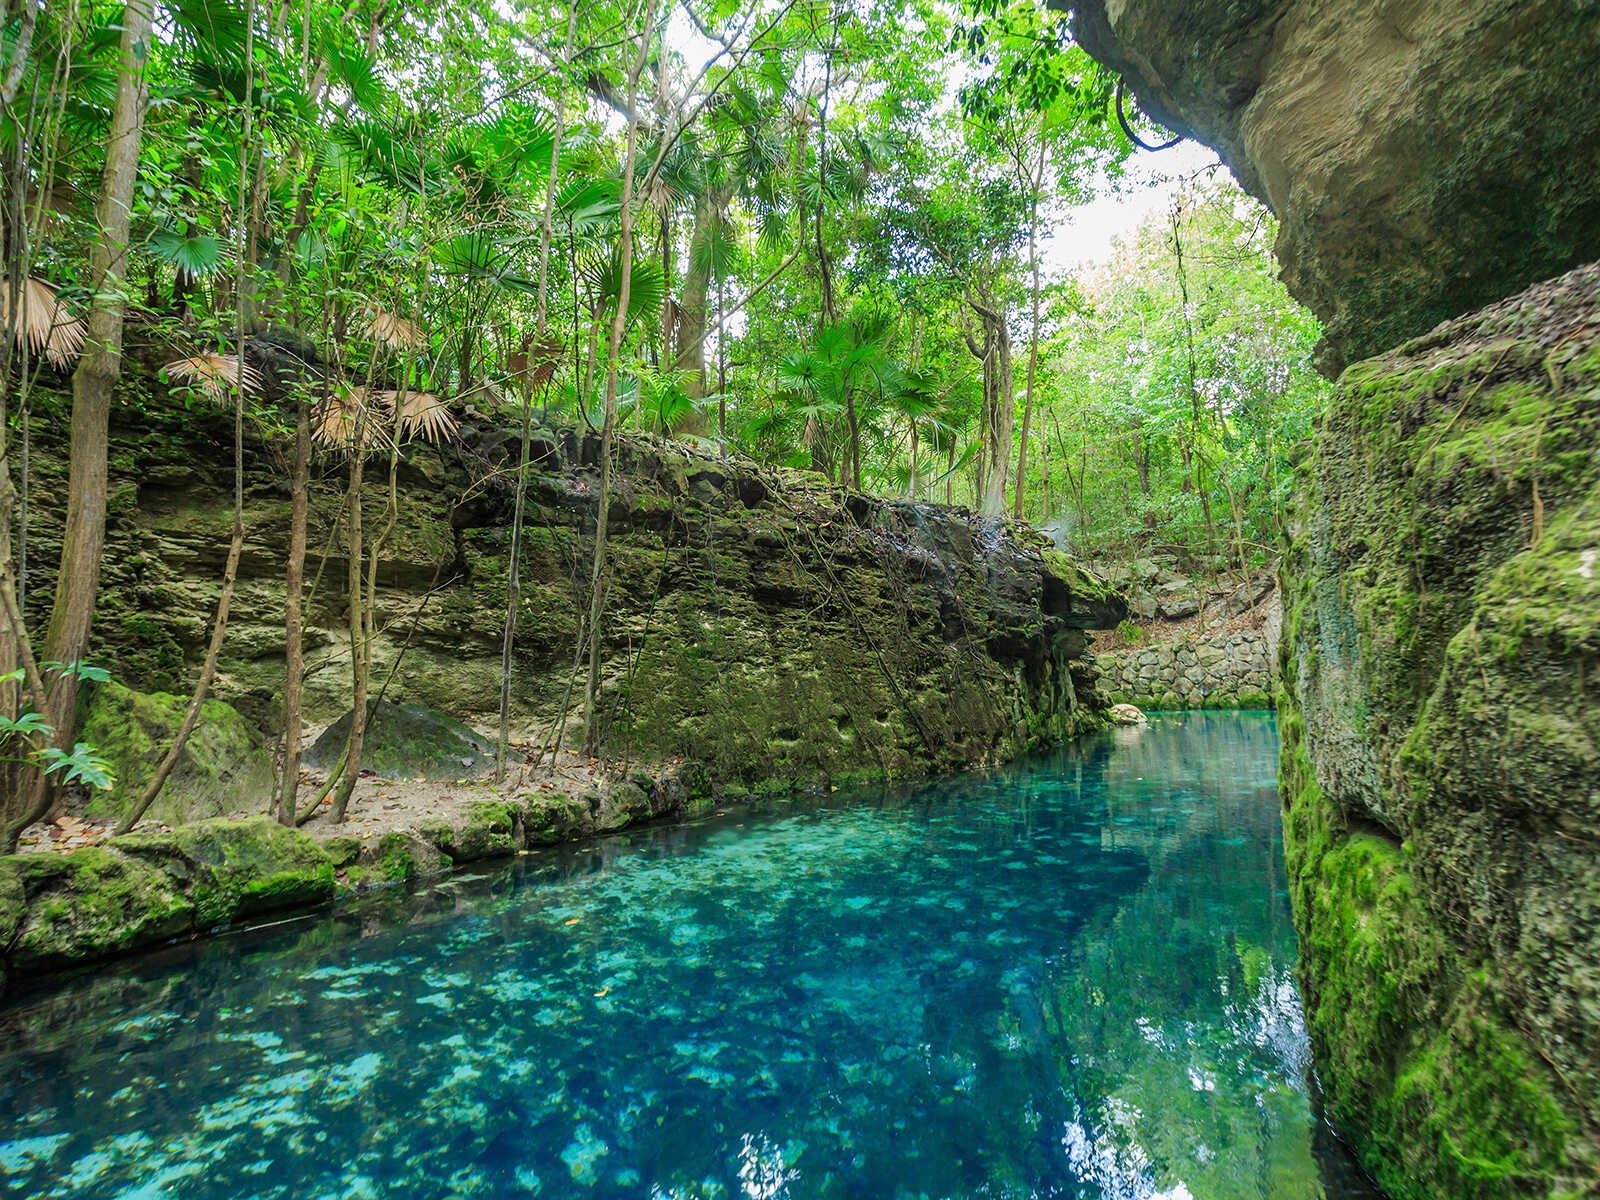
(1070, 978)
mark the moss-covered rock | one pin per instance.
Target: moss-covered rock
(551, 817)
(398, 857)
(763, 621)
(620, 805)
(492, 829)
(224, 765)
(88, 904)
(1441, 751)
(408, 741)
(242, 868)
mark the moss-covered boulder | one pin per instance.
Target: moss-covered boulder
(619, 805)
(397, 857)
(1441, 751)
(551, 817)
(88, 904)
(224, 765)
(408, 741)
(492, 829)
(247, 867)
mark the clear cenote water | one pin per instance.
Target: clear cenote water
(1069, 978)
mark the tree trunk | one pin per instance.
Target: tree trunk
(293, 620)
(514, 568)
(1033, 347)
(619, 325)
(83, 535)
(691, 354)
(358, 631)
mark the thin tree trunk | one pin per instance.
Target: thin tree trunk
(619, 324)
(202, 685)
(83, 536)
(722, 375)
(293, 619)
(1033, 336)
(514, 581)
(242, 314)
(358, 629)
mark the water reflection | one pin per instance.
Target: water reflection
(1065, 979)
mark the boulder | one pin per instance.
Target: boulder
(1126, 714)
(224, 765)
(408, 741)
(619, 805)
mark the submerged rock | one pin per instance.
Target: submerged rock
(1441, 751)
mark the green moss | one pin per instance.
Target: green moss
(342, 851)
(248, 867)
(223, 766)
(551, 817)
(91, 903)
(489, 832)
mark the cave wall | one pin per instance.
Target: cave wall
(1424, 157)
(1428, 162)
(1441, 751)
(778, 628)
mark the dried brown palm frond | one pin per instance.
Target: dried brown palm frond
(336, 420)
(215, 374)
(395, 332)
(48, 326)
(543, 361)
(424, 415)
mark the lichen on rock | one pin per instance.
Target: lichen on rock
(225, 764)
(1441, 750)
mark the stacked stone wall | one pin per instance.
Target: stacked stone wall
(1222, 670)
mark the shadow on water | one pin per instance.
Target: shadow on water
(1071, 977)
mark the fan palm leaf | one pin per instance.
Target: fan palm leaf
(393, 331)
(347, 413)
(424, 415)
(46, 324)
(215, 375)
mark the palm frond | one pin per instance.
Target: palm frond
(347, 413)
(215, 375)
(46, 324)
(424, 415)
(395, 332)
(199, 255)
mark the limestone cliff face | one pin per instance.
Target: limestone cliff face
(1424, 157)
(777, 628)
(1441, 751)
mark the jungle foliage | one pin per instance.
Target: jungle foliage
(814, 232)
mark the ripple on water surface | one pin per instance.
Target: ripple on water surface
(1068, 978)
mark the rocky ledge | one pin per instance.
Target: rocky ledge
(141, 889)
(776, 627)
(1441, 751)
(1424, 159)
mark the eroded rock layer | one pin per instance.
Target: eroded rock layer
(777, 628)
(1441, 751)
(1424, 158)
